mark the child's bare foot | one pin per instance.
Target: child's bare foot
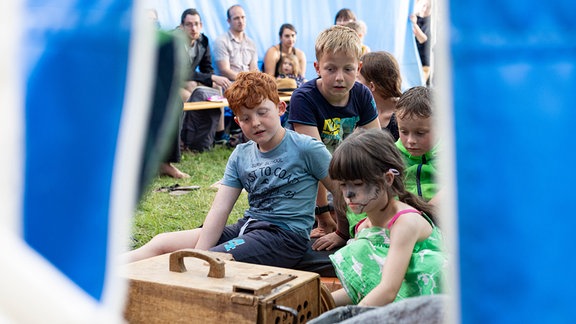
(171, 171)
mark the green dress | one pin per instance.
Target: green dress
(359, 264)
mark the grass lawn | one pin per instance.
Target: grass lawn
(160, 212)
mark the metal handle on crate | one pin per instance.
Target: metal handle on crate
(289, 310)
(217, 269)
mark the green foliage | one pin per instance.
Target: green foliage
(160, 212)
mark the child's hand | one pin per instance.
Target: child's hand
(326, 225)
(328, 242)
(319, 232)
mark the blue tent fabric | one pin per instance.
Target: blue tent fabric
(387, 21)
(514, 71)
(75, 86)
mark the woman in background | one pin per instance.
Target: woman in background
(287, 44)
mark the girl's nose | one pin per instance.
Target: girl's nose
(350, 193)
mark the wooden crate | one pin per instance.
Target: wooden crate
(193, 286)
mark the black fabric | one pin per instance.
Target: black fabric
(424, 48)
(317, 261)
(199, 126)
(262, 243)
(393, 127)
(162, 140)
(200, 69)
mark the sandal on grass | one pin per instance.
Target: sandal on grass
(176, 189)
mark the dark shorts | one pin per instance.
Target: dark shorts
(262, 243)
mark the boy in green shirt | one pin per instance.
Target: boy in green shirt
(418, 143)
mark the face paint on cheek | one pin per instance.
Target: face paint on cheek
(371, 193)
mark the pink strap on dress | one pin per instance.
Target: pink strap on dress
(400, 213)
(358, 225)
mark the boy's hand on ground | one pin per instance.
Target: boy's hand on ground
(328, 242)
(326, 225)
(317, 232)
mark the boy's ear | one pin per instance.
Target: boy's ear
(317, 67)
(281, 108)
(359, 67)
(236, 120)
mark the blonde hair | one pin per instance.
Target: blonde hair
(359, 26)
(338, 39)
(295, 64)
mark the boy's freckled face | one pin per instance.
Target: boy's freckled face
(416, 135)
(338, 73)
(262, 123)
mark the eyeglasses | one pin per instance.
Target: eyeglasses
(194, 24)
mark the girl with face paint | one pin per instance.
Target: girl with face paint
(397, 251)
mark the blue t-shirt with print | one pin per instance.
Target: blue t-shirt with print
(281, 183)
(309, 107)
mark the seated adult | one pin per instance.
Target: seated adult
(198, 126)
(199, 59)
(344, 16)
(234, 52)
(287, 44)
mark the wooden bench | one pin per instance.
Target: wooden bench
(199, 105)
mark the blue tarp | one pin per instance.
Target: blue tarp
(514, 75)
(387, 21)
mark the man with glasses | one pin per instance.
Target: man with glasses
(199, 127)
(199, 59)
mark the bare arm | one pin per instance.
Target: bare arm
(224, 68)
(341, 298)
(325, 220)
(418, 33)
(253, 66)
(217, 216)
(270, 59)
(335, 239)
(373, 124)
(222, 59)
(220, 81)
(403, 236)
